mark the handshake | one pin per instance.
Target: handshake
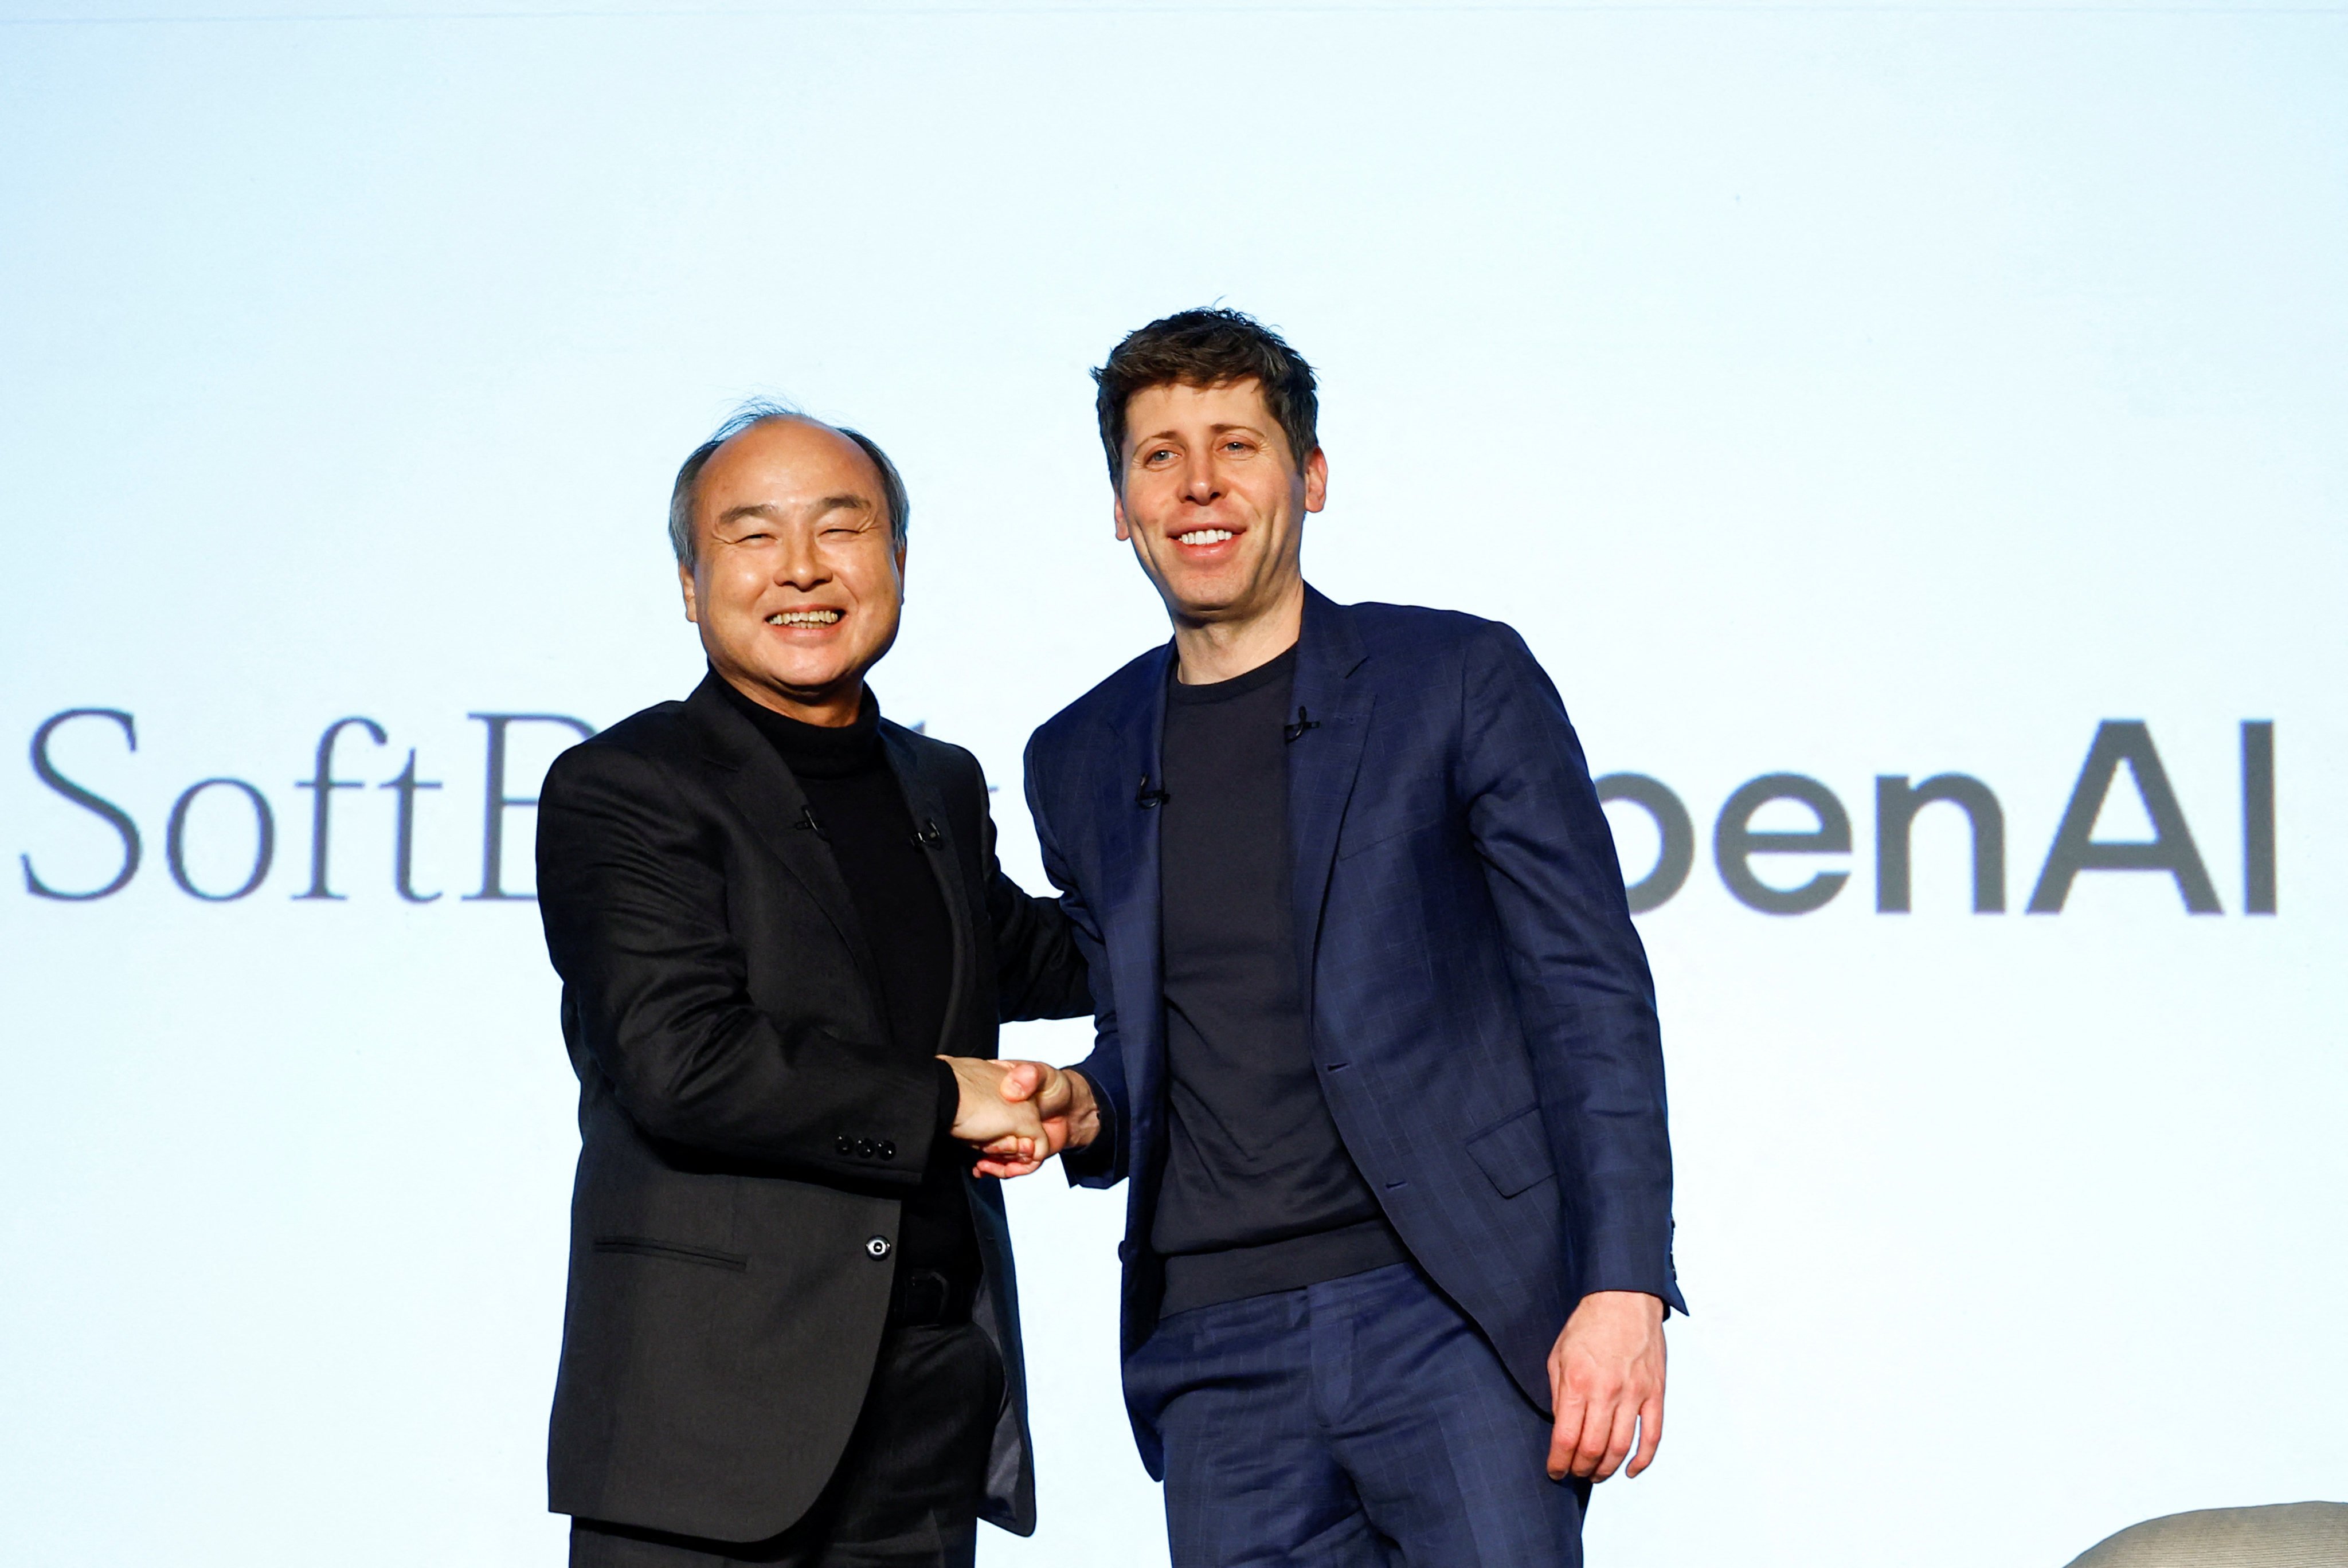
(1015, 1116)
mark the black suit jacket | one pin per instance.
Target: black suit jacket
(747, 1133)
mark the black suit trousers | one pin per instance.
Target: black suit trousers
(907, 1491)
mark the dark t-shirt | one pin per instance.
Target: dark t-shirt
(1259, 1193)
(858, 805)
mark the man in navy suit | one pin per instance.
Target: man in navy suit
(1377, 1054)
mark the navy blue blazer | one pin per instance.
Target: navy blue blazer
(1480, 1006)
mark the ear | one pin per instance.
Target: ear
(684, 581)
(900, 572)
(1316, 480)
(1116, 511)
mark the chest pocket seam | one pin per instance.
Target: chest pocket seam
(1418, 824)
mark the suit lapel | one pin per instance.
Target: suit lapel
(933, 824)
(1322, 761)
(1129, 842)
(771, 801)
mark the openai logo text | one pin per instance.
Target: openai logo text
(2119, 745)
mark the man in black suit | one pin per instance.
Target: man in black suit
(792, 1333)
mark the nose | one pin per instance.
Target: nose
(799, 564)
(1199, 482)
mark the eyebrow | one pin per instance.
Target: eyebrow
(829, 503)
(1211, 430)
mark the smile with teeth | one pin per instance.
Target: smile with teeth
(804, 618)
(1203, 537)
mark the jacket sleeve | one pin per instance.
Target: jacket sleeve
(631, 887)
(1039, 970)
(1102, 1163)
(1580, 974)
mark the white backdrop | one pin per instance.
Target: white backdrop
(1836, 390)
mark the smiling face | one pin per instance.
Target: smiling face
(1214, 504)
(796, 582)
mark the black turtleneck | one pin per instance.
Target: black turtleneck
(862, 816)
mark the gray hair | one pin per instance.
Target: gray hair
(761, 411)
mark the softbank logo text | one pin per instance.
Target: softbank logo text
(260, 825)
(239, 818)
(2118, 743)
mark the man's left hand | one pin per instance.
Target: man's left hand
(1606, 1382)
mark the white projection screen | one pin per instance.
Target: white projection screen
(1838, 397)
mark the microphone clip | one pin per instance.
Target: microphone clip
(1303, 721)
(1148, 798)
(808, 824)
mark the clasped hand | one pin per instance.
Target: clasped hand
(1017, 1114)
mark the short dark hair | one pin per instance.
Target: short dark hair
(686, 491)
(1207, 347)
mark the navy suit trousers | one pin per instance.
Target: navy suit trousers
(1362, 1422)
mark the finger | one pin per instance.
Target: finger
(1014, 1159)
(1035, 1080)
(1620, 1435)
(1597, 1432)
(1564, 1435)
(1650, 1433)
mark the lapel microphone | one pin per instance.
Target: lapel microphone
(807, 823)
(929, 837)
(1147, 797)
(1304, 722)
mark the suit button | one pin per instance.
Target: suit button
(844, 1143)
(888, 1151)
(877, 1246)
(864, 1149)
